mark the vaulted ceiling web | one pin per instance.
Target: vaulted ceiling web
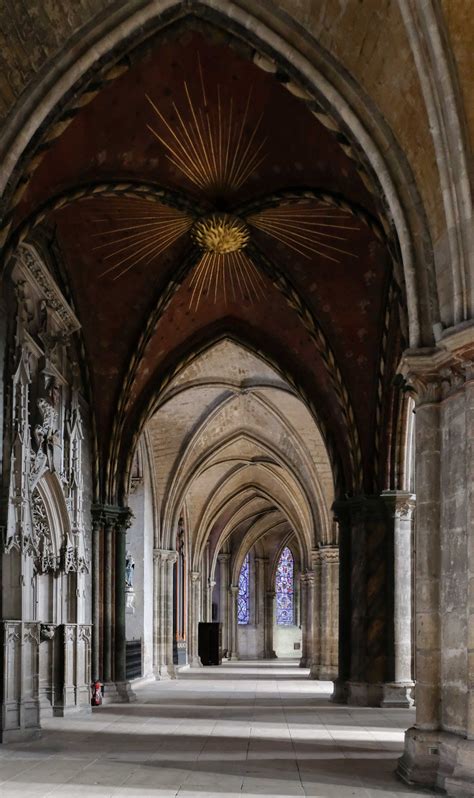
(235, 445)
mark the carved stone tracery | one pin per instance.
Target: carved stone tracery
(46, 423)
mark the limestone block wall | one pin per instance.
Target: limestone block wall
(139, 606)
(284, 640)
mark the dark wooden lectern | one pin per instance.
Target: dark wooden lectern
(209, 643)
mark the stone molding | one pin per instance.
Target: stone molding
(165, 556)
(112, 516)
(223, 557)
(434, 374)
(400, 503)
(329, 554)
(30, 262)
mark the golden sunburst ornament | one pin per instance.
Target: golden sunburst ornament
(217, 149)
(220, 233)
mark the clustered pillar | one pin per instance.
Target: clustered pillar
(233, 594)
(224, 559)
(108, 611)
(165, 560)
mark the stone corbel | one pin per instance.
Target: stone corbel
(433, 374)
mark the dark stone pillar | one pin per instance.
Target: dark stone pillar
(97, 525)
(108, 593)
(120, 635)
(115, 521)
(367, 674)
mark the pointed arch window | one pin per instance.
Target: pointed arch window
(284, 588)
(243, 599)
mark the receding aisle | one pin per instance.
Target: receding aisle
(260, 728)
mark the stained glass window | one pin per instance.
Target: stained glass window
(243, 601)
(284, 589)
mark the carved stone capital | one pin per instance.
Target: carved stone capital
(433, 374)
(400, 503)
(165, 556)
(223, 557)
(112, 516)
(329, 554)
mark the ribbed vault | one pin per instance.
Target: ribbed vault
(236, 447)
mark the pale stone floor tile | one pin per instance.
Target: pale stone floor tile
(245, 729)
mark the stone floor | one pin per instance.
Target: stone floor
(243, 729)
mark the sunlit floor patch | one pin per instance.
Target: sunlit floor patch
(257, 729)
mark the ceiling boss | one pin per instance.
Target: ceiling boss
(216, 148)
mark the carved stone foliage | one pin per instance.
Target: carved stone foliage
(41, 546)
(46, 424)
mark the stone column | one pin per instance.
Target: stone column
(120, 634)
(314, 590)
(439, 749)
(269, 621)
(97, 525)
(195, 617)
(117, 688)
(108, 596)
(233, 593)
(223, 560)
(366, 639)
(304, 621)
(329, 609)
(344, 644)
(400, 508)
(210, 590)
(165, 560)
(261, 564)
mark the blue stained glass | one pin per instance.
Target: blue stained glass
(243, 600)
(284, 589)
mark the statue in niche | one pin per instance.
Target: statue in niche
(45, 432)
(129, 569)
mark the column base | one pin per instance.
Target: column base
(373, 694)
(20, 720)
(339, 695)
(165, 673)
(19, 735)
(271, 655)
(322, 673)
(196, 662)
(232, 657)
(438, 760)
(398, 694)
(118, 693)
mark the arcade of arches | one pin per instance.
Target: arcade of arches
(237, 345)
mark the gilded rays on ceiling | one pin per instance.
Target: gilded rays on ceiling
(217, 148)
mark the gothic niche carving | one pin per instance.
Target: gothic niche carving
(45, 433)
(41, 547)
(47, 428)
